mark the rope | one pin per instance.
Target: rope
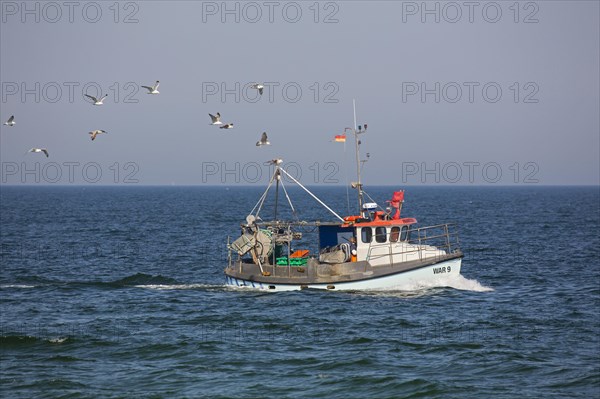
(262, 199)
(372, 200)
(289, 200)
(311, 194)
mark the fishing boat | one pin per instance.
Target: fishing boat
(374, 249)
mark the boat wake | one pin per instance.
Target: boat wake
(417, 288)
(464, 284)
(4, 286)
(165, 287)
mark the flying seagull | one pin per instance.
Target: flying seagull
(10, 121)
(263, 140)
(45, 151)
(227, 126)
(94, 133)
(259, 87)
(216, 120)
(95, 100)
(153, 89)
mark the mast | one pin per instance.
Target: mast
(356, 141)
(358, 162)
(278, 177)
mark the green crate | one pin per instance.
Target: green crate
(298, 261)
(284, 261)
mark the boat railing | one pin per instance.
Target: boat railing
(422, 241)
(413, 244)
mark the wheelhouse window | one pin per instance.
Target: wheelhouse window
(394, 234)
(380, 234)
(366, 234)
(404, 234)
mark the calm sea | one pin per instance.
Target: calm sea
(118, 292)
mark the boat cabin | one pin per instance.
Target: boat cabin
(357, 234)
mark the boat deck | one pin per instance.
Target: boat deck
(319, 273)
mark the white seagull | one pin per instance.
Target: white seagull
(10, 121)
(227, 126)
(45, 151)
(95, 100)
(263, 140)
(153, 89)
(216, 119)
(94, 133)
(259, 87)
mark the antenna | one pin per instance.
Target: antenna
(364, 161)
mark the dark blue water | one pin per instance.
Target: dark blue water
(118, 292)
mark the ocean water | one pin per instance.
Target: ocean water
(119, 292)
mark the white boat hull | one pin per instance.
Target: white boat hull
(424, 275)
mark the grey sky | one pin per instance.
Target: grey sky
(544, 128)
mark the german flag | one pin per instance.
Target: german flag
(340, 138)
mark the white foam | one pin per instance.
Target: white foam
(58, 340)
(2, 286)
(419, 288)
(174, 286)
(461, 283)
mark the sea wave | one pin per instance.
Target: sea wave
(144, 279)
